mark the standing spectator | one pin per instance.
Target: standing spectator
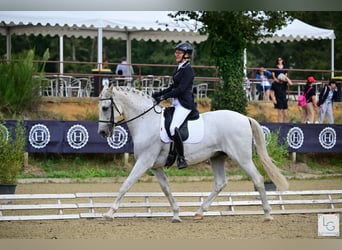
(308, 111)
(280, 68)
(278, 96)
(104, 61)
(124, 69)
(326, 97)
(265, 86)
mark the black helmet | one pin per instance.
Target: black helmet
(186, 47)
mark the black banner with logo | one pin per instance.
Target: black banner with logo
(48, 136)
(308, 138)
(73, 137)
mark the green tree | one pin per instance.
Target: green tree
(229, 33)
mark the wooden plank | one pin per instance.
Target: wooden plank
(36, 196)
(38, 206)
(40, 217)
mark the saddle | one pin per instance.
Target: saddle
(183, 129)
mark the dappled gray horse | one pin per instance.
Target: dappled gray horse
(226, 134)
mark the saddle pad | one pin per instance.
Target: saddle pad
(196, 130)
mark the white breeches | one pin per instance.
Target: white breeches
(179, 115)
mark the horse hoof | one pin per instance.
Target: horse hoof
(268, 219)
(108, 217)
(198, 217)
(176, 220)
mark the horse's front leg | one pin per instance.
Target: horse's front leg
(164, 184)
(138, 170)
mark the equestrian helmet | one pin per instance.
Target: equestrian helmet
(184, 46)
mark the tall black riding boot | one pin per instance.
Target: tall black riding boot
(171, 158)
(180, 150)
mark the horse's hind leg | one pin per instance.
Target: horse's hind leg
(217, 165)
(164, 184)
(258, 182)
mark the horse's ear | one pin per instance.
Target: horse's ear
(107, 89)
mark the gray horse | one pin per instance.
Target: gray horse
(226, 134)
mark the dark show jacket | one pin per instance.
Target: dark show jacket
(182, 87)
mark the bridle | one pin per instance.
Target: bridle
(123, 121)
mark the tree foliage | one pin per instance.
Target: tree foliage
(20, 83)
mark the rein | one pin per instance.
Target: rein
(111, 120)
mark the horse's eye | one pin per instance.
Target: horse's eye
(104, 109)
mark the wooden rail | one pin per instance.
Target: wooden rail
(154, 204)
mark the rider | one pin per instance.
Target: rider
(182, 99)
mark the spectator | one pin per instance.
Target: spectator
(308, 111)
(326, 97)
(104, 61)
(124, 69)
(264, 87)
(280, 68)
(278, 96)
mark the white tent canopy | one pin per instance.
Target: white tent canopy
(298, 30)
(127, 25)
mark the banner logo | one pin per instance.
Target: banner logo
(295, 137)
(266, 131)
(119, 138)
(327, 138)
(39, 136)
(3, 133)
(77, 136)
(329, 225)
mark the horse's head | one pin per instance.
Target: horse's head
(109, 112)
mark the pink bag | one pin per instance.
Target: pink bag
(302, 98)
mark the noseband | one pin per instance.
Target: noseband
(114, 106)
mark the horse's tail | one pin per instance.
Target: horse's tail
(272, 170)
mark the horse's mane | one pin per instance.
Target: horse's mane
(132, 94)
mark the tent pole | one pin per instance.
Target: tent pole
(61, 55)
(128, 50)
(99, 47)
(245, 61)
(8, 44)
(332, 57)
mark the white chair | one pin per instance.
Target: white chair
(73, 89)
(156, 85)
(86, 87)
(201, 90)
(146, 85)
(45, 86)
(166, 82)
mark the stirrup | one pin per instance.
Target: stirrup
(181, 162)
(171, 158)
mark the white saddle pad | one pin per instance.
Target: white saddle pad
(196, 130)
